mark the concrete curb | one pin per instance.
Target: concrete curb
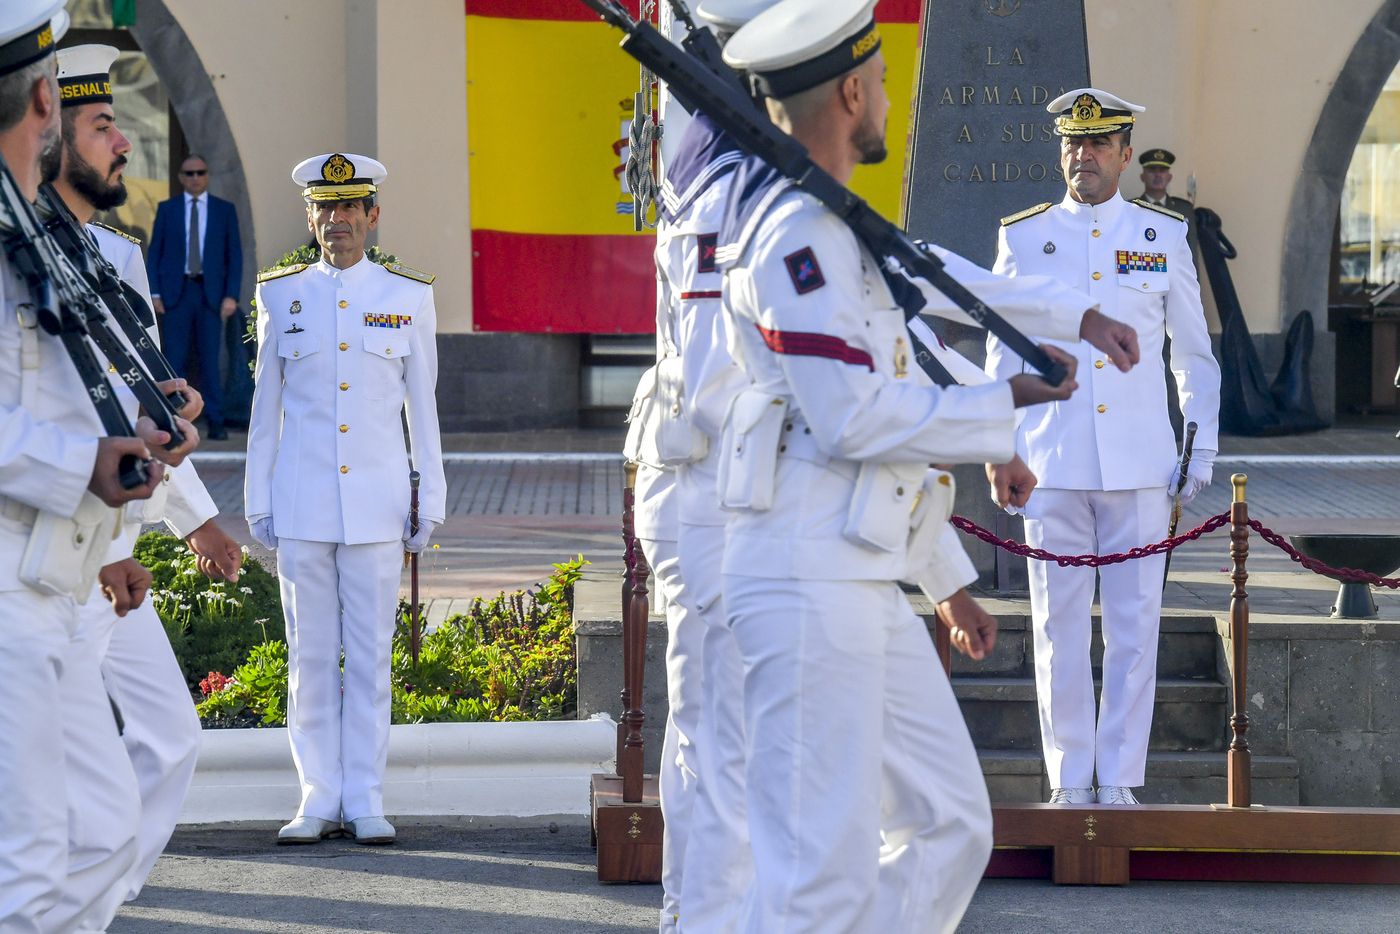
(488, 770)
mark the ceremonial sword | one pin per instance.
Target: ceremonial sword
(1185, 465)
(412, 558)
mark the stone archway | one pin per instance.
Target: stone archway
(201, 115)
(1317, 195)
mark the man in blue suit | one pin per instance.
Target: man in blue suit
(195, 264)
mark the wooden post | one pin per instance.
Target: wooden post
(634, 635)
(629, 561)
(1238, 759)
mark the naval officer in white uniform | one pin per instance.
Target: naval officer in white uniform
(160, 729)
(1106, 456)
(867, 810)
(344, 347)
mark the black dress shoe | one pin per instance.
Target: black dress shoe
(217, 434)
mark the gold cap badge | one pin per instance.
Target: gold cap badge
(338, 169)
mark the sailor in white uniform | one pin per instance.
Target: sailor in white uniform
(58, 489)
(344, 346)
(866, 806)
(160, 729)
(1105, 457)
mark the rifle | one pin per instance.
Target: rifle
(414, 633)
(117, 294)
(32, 253)
(1185, 465)
(697, 87)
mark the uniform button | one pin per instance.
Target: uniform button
(1145, 285)
(344, 386)
(782, 448)
(899, 491)
(344, 428)
(1103, 408)
(676, 409)
(296, 353)
(1098, 364)
(344, 469)
(388, 351)
(344, 346)
(1096, 233)
(1097, 276)
(344, 303)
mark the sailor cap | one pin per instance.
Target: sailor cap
(29, 30)
(797, 44)
(729, 15)
(1091, 112)
(339, 176)
(84, 74)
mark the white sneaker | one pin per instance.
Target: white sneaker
(1116, 794)
(371, 831)
(1072, 796)
(306, 830)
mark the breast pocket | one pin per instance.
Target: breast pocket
(383, 364)
(295, 350)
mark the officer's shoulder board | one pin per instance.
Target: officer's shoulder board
(281, 271)
(1041, 208)
(120, 233)
(408, 272)
(1144, 203)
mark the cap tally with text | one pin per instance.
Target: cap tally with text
(84, 74)
(1157, 159)
(797, 44)
(729, 15)
(29, 30)
(1091, 112)
(339, 176)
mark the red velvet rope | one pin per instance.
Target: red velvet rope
(1317, 567)
(1205, 528)
(1091, 561)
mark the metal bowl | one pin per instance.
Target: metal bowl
(1375, 554)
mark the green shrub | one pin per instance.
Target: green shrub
(212, 625)
(509, 658)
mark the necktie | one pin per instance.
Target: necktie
(195, 262)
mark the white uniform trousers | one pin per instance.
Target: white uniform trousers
(718, 864)
(339, 597)
(104, 804)
(34, 813)
(676, 777)
(161, 732)
(867, 808)
(1095, 522)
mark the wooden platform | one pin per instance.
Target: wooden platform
(628, 836)
(1091, 845)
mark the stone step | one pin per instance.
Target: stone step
(1187, 646)
(1001, 713)
(1172, 777)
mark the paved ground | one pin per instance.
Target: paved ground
(519, 880)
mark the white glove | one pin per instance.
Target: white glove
(1197, 475)
(414, 543)
(261, 529)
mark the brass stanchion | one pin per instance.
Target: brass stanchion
(1238, 759)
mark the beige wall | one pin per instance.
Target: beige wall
(1234, 89)
(297, 79)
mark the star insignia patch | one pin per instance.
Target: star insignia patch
(708, 243)
(804, 270)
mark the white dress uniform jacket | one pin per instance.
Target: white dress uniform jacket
(1114, 433)
(340, 354)
(839, 358)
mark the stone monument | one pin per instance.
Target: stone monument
(981, 147)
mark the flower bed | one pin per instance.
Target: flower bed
(510, 658)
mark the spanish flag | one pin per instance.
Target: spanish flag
(549, 100)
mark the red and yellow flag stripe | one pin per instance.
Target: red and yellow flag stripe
(548, 93)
